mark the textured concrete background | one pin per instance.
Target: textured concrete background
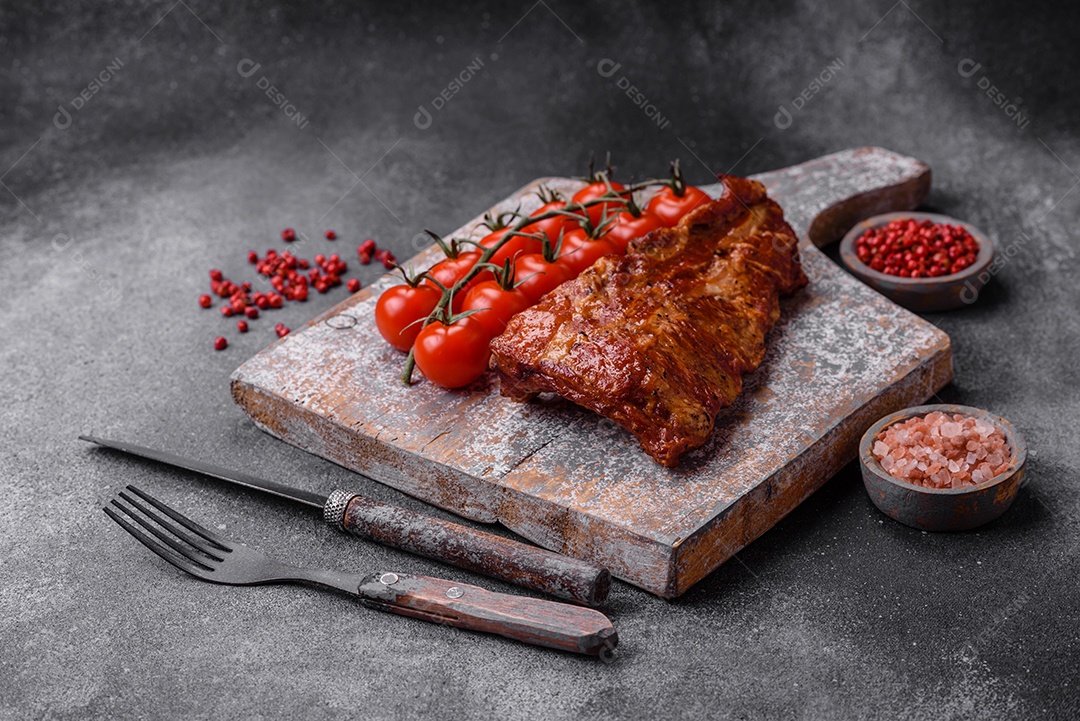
(113, 211)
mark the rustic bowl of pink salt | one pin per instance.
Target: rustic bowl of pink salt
(942, 467)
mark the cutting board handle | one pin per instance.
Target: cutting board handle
(825, 197)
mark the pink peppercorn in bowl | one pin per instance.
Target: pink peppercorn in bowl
(951, 508)
(923, 294)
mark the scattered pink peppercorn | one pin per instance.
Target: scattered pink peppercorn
(291, 277)
(220, 343)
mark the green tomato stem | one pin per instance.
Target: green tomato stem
(406, 372)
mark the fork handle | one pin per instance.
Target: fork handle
(530, 620)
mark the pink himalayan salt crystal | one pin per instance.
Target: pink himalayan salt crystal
(942, 451)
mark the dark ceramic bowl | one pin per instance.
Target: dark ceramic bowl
(945, 292)
(942, 509)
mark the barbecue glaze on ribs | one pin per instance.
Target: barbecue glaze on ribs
(658, 340)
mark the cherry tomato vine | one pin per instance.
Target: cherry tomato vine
(480, 285)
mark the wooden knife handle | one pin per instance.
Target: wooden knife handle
(471, 549)
(530, 620)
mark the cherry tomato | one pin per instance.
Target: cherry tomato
(517, 245)
(500, 305)
(579, 251)
(671, 208)
(452, 355)
(537, 277)
(550, 227)
(399, 308)
(595, 190)
(626, 228)
(450, 271)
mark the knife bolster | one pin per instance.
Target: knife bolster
(334, 510)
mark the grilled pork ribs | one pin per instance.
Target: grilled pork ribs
(658, 340)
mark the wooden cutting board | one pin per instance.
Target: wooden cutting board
(841, 357)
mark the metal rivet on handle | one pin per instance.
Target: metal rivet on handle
(388, 579)
(454, 592)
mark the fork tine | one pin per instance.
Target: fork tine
(212, 549)
(191, 552)
(182, 519)
(181, 562)
(198, 544)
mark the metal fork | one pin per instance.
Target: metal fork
(210, 557)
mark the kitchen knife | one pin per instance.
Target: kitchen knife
(446, 541)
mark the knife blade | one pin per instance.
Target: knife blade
(474, 550)
(208, 469)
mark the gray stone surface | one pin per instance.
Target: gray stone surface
(179, 162)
